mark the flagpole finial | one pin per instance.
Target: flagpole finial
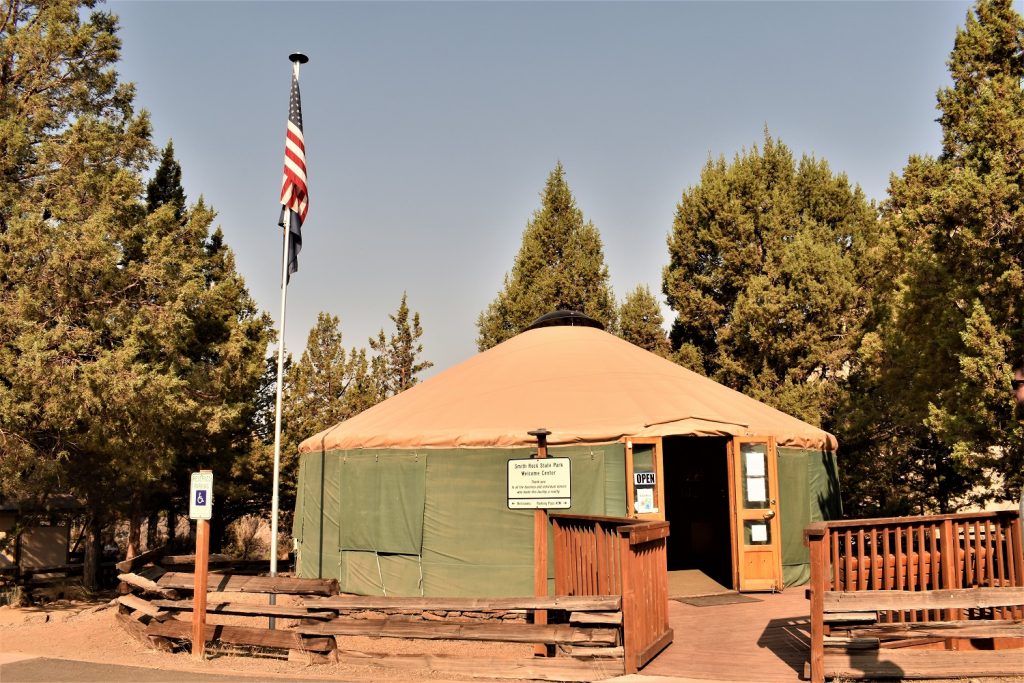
(298, 57)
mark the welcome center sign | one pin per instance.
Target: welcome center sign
(539, 484)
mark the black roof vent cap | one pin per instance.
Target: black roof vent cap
(565, 318)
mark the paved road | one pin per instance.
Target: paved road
(47, 670)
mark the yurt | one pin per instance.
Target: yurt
(412, 496)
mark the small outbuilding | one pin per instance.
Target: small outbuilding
(411, 496)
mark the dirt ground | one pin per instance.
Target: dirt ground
(88, 631)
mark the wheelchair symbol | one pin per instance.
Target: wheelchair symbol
(200, 497)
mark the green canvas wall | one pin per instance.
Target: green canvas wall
(436, 522)
(808, 492)
(433, 522)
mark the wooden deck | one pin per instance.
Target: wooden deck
(752, 641)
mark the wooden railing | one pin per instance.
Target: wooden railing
(616, 556)
(952, 558)
(980, 549)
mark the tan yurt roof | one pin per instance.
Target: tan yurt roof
(581, 383)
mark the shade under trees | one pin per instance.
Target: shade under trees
(560, 265)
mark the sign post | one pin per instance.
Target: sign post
(200, 508)
(540, 547)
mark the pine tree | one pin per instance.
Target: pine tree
(941, 360)
(770, 263)
(640, 322)
(400, 354)
(560, 265)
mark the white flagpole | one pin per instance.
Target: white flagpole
(280, 392)
(296, 60)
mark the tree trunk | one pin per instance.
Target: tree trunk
(93, 551)
(172, 525)
(152, 537)
(134, 529)
(134, 535)
(217, 529)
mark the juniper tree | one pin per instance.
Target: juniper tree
(560, 265)
(937, 383)
(128, 343)
(770, 266)
(640, 321)
(165, 185)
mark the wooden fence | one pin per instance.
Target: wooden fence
(585, 631)
(33, 577)
(615, 556)
(925, 553)
(911, 581)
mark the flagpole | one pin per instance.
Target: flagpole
(296, 59)
(280, 392)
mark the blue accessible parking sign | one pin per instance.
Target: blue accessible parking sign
(201, 498)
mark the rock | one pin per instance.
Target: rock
(431, 616)
(369, 615)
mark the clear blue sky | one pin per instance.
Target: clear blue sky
(431, 128)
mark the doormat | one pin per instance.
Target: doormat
(715, 600)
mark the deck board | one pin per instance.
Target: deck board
(755, 641)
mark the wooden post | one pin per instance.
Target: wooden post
(540, 549)
(199, 593)
(1016, 553)
(948, 544)
(631, 616)
(814, 538)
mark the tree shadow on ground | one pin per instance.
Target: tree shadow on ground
(789, 639)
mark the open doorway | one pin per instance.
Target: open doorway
(697, 506)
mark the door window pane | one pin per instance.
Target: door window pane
(757, 532)
(645, 485)
(754, 457)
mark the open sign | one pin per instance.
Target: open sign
(643, 478)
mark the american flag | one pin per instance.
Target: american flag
(294, 193)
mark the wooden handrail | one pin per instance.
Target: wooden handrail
(598, 555)
(881, 521)
(612, 522)
(644, 532)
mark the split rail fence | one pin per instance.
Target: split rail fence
(608, 617)
(883, 589)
